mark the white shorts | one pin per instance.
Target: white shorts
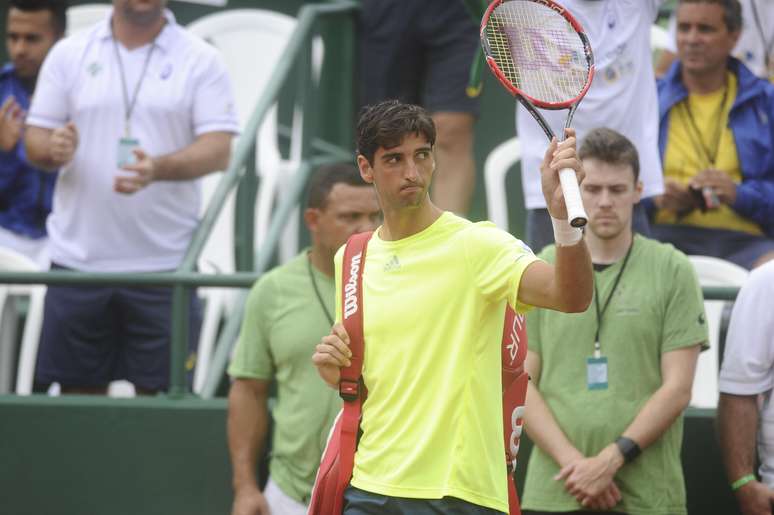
(280, 503)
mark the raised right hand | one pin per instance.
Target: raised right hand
(331, 354)
(250, 502)
(64, 142)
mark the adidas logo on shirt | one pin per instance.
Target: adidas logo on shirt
(392, 264)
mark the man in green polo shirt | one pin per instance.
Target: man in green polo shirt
(612, 382)
(289, 309)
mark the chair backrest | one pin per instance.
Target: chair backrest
(82, 17)
(499, 161)
(11, 260)
(712, 272)
(251, 42)
(659, 38)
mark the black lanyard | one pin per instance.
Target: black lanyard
(129, 103)
(711, 153)
(317, 290)
(600, 314)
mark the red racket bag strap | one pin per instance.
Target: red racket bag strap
(338, 459)
(515, 379)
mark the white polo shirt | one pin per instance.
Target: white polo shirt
(186, 92)
(748, 361)
(621, 97)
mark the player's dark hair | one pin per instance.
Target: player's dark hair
(610, 147)
(326, 177)
(732, 11)
(387, 123)
(58, 10)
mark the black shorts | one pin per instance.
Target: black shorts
(93, 335)
(360, 502)
(418, 52)
(579, 512)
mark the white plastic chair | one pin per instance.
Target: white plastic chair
(252, 43)
(10, 260)
(499, 161)
(712, 272)
(82, 17)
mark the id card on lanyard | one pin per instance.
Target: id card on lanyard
(126, 144)
(597, 365)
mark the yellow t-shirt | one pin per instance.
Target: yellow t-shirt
(433, 307)
(684, 157)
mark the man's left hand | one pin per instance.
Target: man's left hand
(586, 479)
(719, 181)
(560, 155)
(144, 170)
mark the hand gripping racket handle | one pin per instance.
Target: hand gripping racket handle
(576, 215)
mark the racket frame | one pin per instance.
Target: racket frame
(530, 103)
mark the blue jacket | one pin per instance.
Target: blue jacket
(25, 191)
(751, 121)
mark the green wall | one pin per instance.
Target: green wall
(99, 456)
(153, 456)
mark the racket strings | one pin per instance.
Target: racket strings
(538, 51)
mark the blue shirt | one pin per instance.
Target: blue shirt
(25, 191)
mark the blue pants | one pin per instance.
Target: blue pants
(93, 335)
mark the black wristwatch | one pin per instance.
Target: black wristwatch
(628, 448)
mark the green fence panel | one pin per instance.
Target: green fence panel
(81, 455)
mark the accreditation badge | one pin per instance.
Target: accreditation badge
(124, 153)
(596, 373)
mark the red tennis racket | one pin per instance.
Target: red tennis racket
(540, 54)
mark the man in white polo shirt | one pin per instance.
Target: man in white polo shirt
(132, 110)
(745, 409)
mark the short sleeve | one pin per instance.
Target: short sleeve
(748, 361)
(684, 319)
(49, 108)
(214, 109)
(252, 357)
(497, 261)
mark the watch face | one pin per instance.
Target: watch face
(628, 447)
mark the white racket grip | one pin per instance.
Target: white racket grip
(576, 215)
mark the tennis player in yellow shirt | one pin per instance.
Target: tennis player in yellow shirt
(434, 292)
